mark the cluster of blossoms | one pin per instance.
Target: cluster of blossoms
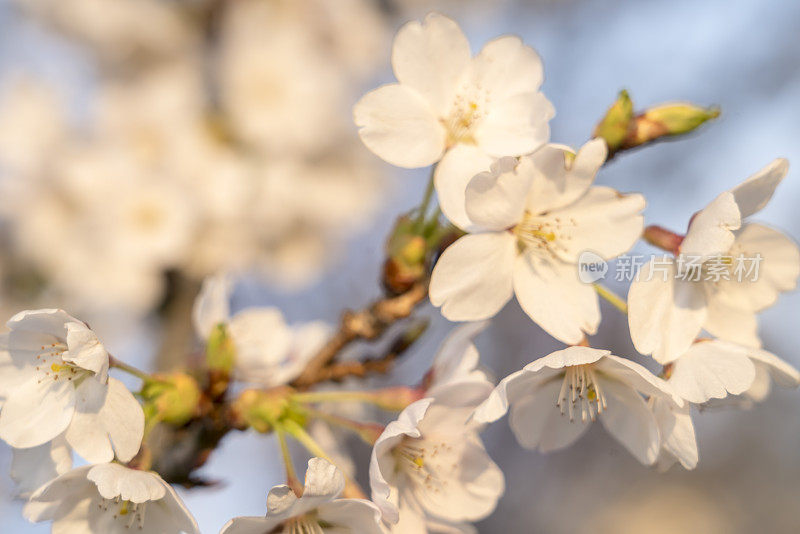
(525, 210)
(218, 139)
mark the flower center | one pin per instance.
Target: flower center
(423, 463)
(128, 513)
(580, 392)
(304, 524)
(543, 234)
(51, 366)
(468, 110)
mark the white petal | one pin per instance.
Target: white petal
(431, 57)
(247, 525)
(712, 370)
(638, 377)
(122, 417)
(12, 374)
(602, 220)
(175, 511)
(506, 67)
(474, 483)
(784, 374)
(711, 230)
(557, 184)
(577, 355)
(754, 193)
(457, 357)
(458, 166)
(628, 419)
(307, 340)
(49, 501)
(539, 424)
(48, 321)
(323, 479)
(550, 292)
(732, 325)
(399, 126)
(85, 350)
(677, 431)
(263, 343)
(515, 126)
(107, 419)
(473, 278)
(509, 390)
(495, 199)
(212, 305)
(351, 515)
(511, 73)
(665, 314)
(85, 433)
(281, 500)
(115, 480)
(382, 464)
(777, 270)
(759, 389)
(31, 468)
(36, 412)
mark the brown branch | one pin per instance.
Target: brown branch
(366, 324)
(378, 364)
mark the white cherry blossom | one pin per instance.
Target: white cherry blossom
(33, 467)
(554, 400)
(110, 499)
(54, 381)
(455, 378)
(429, 465)
(268, 351)
(529, 222)
(712, 372)
(672, 300)
(678, 439)
(451, 106)
(317, 510)
(714, 369)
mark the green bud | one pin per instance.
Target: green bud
(220, 350)
(614, 127)
(173, 398)
(262, 410)
(406, 257)
(674, 119)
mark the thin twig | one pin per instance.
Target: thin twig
(366, 324)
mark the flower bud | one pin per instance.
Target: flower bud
(614, 127)
(220, 350)
(173, 398)
(668, 120)
(406, 257)
(622, 130)
(261, 410)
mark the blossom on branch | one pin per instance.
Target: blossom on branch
(555, 399)
(431, 466)
(54, 380)
(317, 510)
(529, 222)
(110, 499)
(268, 351)
(450, 106)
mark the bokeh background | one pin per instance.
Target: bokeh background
(145, 144)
